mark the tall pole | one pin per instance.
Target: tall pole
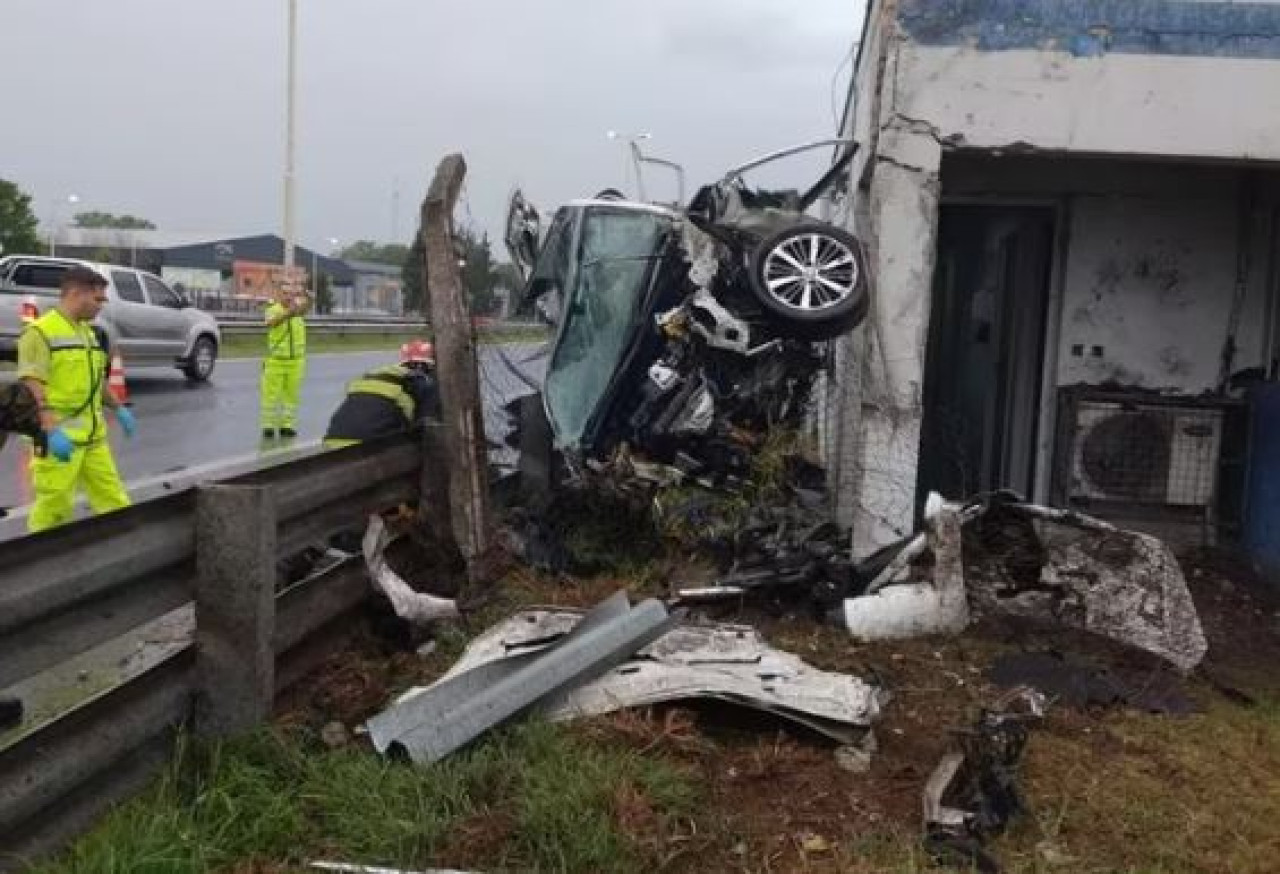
(290, 124)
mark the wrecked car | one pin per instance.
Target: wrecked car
(683, 332)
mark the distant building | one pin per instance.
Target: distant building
(375, 288)
(222, 272)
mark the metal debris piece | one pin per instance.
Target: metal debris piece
(429, 724)
(973, 794)
(409, 605)
(730, 663)
(901, 611)
(1069, 569)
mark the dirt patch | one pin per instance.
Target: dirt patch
(479, 840)
(1240, 613)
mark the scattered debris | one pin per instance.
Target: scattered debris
(729, 663)
(814, 844)
(11, 712)
(913, 610)
(1080, 685)
(335, 735)
(1052, 856)
(431, 723)
(856, 758)
(1068, 569)
(1056, 567)
(973, 795)
(409, 605)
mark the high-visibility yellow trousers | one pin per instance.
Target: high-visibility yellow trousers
(281, 389)
(91, 469)
(338, 442)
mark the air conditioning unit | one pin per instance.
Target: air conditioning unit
(1145, 454)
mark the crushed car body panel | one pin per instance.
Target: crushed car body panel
(729, 663)
(431, 724)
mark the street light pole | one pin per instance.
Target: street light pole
(290, 141)
(72, 200)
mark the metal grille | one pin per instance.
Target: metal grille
(1144, 457)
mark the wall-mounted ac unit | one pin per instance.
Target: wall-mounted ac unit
(1155, 455)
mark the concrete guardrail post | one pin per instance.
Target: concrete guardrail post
(235, 607)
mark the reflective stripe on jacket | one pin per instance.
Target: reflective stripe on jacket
(287, 339)
(77, 375)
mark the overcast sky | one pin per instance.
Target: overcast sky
(173, 109)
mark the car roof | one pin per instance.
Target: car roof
(99, 266)
(625, 204)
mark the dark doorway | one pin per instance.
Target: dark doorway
(986, 349)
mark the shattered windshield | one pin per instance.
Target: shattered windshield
(615, 254)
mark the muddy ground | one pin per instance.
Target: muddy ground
(775, 800)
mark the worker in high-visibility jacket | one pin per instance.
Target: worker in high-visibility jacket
(285, 365)
(388, 400)
(62, 359)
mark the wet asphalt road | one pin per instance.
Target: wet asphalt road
(182, 424)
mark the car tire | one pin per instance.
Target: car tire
(204, 356)
(812, 278)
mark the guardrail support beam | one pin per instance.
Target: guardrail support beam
(235, 607)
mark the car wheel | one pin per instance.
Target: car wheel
(812, 278)
(204, 355)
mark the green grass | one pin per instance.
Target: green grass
(253, 345)
(534, 798)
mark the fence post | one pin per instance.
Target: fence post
(235, 607)
(456, 363)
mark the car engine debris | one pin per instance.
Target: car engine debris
(973, 793)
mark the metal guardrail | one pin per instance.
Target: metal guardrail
(70, 590)
(360, 326)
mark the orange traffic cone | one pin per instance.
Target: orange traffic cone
(115, 379)
(30, 312)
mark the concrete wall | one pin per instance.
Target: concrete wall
(1149, 261)
(1148, 290)
(1153, 77)
(1150, 274)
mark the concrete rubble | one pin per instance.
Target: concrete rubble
(1047, 566)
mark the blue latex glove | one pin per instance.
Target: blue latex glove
(125, 417)
(60, 445)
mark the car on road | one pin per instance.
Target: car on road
(145, 320)
(683, 331)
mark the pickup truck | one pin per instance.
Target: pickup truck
(146, 321)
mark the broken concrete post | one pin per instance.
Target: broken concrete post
(913, 610)
(235, 607)
(456, 364)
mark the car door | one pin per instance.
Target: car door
(165, 319)
(127, 317)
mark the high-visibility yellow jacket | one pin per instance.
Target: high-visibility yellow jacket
(67, 358)
(287, 340)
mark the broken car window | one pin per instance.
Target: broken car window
(615, 255)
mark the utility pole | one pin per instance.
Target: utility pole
(290, 142)
(395, 210)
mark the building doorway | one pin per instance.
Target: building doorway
(985, 352)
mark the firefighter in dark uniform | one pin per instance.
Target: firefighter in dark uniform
(388, 400)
